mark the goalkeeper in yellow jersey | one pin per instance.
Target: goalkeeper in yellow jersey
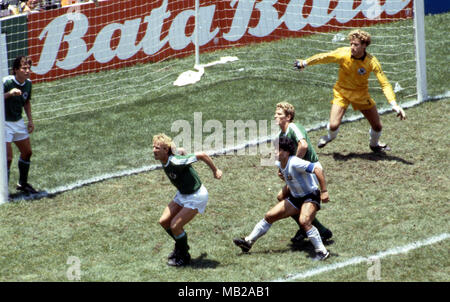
(352, 87)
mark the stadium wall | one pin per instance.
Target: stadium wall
(88, 38)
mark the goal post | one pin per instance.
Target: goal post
(421, 69)
(3, 164)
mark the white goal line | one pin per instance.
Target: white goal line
(358, 260)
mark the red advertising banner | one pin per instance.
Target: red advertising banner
(87, 37)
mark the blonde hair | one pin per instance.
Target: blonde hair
(165, 140)
(287, 108)
(363, 36)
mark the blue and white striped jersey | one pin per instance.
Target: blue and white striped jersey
(299, 176)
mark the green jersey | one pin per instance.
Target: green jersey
(297, 132)
(181, 174)
(14, 104)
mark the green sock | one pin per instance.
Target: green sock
(24, 167)
(296, 217)
(181, 242)
(169, 231)
(319, 226)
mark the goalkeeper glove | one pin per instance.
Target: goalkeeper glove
(400, 112)
(300, 64)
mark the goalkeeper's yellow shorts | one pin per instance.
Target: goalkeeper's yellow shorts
(360, 100)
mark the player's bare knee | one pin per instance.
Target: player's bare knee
(269, 218)
(165, 223)
(305, 222)
(280, 196)
(377, 128)
(334, 125)
(176, 227)
(26, 156)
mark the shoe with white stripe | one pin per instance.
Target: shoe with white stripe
(323, 141)
(26, 188)
(381, 148)
(320, 256)
(243, 244)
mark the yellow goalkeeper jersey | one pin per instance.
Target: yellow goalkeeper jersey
(354, 73)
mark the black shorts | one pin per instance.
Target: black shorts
(297, 202)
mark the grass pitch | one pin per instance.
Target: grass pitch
(377, 202)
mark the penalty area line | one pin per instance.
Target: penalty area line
(360, 259)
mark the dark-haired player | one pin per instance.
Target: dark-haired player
(17, 95)
(307, 186)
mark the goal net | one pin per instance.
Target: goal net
(91, 58)
(89, 38)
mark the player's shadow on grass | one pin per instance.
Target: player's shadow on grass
(202, 262)
(367, 156)
(19, 196)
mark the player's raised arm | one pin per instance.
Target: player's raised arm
(334, 56)
(206, 159)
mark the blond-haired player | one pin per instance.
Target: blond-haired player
(190, 199)
(352, 87)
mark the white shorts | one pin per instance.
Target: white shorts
(16, 131)
(196, 200)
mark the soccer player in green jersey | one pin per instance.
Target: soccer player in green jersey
(284, 116)
(17, 95)
(190, 199)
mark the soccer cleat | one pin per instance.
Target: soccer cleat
(299, 237)
(325, 235)
(172, 254)
(179, 260)
(26, 188)
(243, 244)
(380, 148)
(323, 141)
(320, 256)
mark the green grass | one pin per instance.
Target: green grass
(377, 203)
(112, 226)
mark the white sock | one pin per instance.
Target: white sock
(259, 230)
(332, 134)
(374, 137)
(314, 237)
